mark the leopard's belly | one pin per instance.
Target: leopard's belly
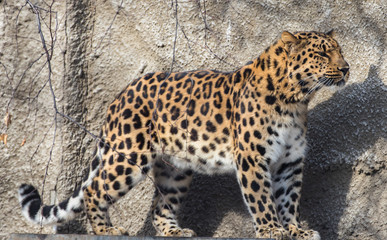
(215, 155)
(209, 157)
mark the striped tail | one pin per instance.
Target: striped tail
(35, 212)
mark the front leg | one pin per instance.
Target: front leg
(287, 192)
(287, 181)
(256, 185)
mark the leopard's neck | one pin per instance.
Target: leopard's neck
(269, 75)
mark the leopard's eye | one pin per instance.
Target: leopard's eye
(322, 54)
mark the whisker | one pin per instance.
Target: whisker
(307, 79)
(315, 86)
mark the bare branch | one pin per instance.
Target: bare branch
(48, 56)
(109, 28)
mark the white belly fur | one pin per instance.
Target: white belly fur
(291, 136)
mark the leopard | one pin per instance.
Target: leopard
(251, 122)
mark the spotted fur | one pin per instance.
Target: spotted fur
(251, 121)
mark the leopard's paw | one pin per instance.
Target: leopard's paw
(300, 234)
(188, 233)
(116, 231)
(178, 232)
(276, 233)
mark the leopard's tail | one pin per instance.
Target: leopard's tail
(34, 210)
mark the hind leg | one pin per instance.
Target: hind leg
(171, 187)
(118, 174)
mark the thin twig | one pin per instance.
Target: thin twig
(48, 56)
(109, 27)
(175, 40)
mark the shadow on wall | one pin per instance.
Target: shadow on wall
(342, 128)
(349, 123)
(209, 199)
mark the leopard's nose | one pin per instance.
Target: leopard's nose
(343, 67)
(344, 70)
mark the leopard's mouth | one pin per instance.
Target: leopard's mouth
(336, 80)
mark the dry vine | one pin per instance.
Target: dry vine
(48, 39)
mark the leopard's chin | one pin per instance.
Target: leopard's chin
(340, 83)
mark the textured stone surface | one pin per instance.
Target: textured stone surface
(93, 237)
(102, 45)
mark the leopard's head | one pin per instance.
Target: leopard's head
(315, 60)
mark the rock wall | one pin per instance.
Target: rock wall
(98, 47)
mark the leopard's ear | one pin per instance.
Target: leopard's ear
(288, 38)
(331, 33)
(292, 44)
